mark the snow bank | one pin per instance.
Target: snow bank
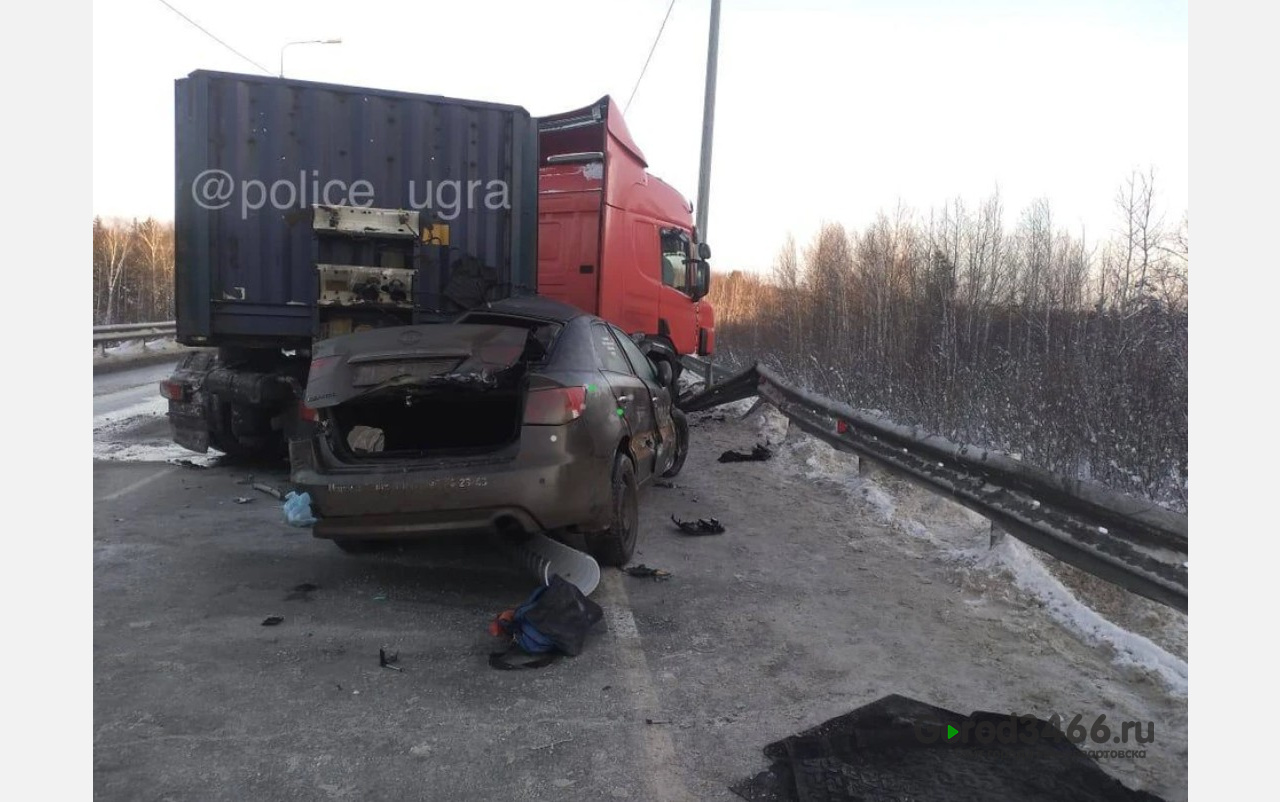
(1131, 649)
(955, 533)
(114, 439)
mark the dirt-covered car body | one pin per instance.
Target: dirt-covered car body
(512, 415)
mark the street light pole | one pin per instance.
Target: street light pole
(305, 42)
(708, 121)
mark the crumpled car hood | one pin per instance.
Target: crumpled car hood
(444, 353)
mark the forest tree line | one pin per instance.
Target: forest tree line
(1029, 338)
(132, 271)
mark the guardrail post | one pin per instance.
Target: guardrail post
(997, 535)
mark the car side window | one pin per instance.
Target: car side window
(608, 352)
(639, 362)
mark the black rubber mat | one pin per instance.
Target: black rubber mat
(874, 754)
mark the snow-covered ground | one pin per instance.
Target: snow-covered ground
(1140, 634)
(129, 418)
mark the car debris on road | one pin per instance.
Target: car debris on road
(273, 620)
(645, 572)
(386, 659)
(263, 487)
(702, 526)
(893, 743)
(760, 453)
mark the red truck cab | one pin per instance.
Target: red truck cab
(614, 240)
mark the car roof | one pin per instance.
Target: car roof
(534, 306)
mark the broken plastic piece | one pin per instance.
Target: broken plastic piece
(269, 490)
(272, 620)
(243, 499)
(702, 526)
(386, 658)
(297, 509)
(758, 454)
(645, 572)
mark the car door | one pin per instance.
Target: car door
(664, 423)
(633, 397)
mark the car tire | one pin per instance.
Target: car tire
(614, 546)
(682, 442)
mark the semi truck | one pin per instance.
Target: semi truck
(305, 211)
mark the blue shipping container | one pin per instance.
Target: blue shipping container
(255, 154)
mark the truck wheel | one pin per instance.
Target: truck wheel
(615, 545)
(682, 442)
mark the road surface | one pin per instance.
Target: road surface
(825, 593)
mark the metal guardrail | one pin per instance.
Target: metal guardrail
(1129, 542)
(119, 332)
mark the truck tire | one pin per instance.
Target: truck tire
(615, 545)
(682, 442)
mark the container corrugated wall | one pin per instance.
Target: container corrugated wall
(254, 154)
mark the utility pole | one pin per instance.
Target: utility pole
(708, 122)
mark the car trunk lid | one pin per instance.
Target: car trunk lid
(413, 392)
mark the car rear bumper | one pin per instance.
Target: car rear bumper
(547, 485)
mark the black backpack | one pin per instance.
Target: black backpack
(555, 618)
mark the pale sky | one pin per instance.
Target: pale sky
(826, 110)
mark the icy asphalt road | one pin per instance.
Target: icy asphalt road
(827, 592)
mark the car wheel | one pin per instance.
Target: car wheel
(682, 442)
(615, 545)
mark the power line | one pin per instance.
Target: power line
(650, 56)
(216, 39)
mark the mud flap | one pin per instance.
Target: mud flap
(545, 558)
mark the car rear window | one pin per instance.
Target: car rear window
(544, 332)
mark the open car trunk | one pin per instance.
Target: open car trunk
(415, 392)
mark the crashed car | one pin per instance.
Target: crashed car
(525, 416)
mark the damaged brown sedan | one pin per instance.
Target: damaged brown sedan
(526, 416)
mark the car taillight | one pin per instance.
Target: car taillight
(842, 427)
(308, 414)
(172, 390)
(555, 406)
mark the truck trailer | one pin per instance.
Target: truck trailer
(305, 211)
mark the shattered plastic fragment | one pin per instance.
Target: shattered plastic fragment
(758, 454)
(702, 526)
(645, 572)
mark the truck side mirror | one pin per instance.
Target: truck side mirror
(704, 251)
(701, 279)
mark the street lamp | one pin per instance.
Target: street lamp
(305, 42)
